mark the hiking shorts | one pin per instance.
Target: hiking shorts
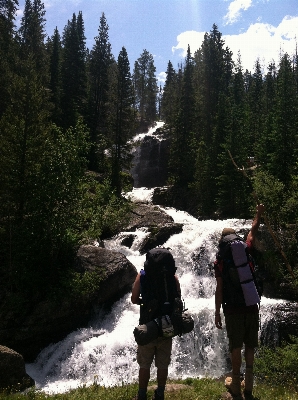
(242, 328)
(160, 349)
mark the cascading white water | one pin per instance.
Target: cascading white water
(150, 156)
(106, 351)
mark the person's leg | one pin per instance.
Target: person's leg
(235, 332)
(249, 356)
(236, 360)
(162, 361)
(251, 342)
(162, 375)
(145, 355)
(144, 376)
(249, 360)
(235, 386)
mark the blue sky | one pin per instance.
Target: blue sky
(258, 28)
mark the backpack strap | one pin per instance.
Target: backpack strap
(166, 286)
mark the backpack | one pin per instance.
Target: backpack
(162, 311)
(240, 284)
(158, 285)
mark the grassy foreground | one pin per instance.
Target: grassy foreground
(189, 389)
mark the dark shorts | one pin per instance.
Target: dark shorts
(160, 349)
(242, 329)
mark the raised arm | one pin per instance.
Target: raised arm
(256, 223)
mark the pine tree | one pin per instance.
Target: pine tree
(233, 196)
(7, 49)
(82, 72)
(284, 136)
(255, 108)
(170, 96)
(122, 123)
(23, 132)
(100, 61)
(265, 146)
(152, 89)
(213, 78)
(32, 34)
(182, 157)
(74, 78)
(213, 82)
(55, 77)
(146, 89)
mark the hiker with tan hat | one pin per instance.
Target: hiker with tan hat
(237, 292)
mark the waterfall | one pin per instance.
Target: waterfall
(105, 351)
(150, 158)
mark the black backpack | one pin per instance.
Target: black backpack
(158, 285)
(232, 290)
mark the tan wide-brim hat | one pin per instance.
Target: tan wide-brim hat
(227, 231)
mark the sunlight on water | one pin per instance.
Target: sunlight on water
(105, 352)
(150, 132)
(141, 194)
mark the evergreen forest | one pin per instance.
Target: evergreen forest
(67, 114)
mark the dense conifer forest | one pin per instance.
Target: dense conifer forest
(66, 116)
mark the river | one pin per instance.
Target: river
(105, 351)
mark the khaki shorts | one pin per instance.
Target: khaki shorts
(160, 349)
(242, 328)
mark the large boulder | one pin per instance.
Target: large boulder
(119, 273)
(159, 235)
(160, 225)
(282, 324)
(146, 215)
(52, 319)
(13, 375)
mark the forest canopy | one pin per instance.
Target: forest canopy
(67, 114)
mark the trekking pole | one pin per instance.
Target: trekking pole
(267, 223)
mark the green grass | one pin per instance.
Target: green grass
(275, 369)
(195, 389)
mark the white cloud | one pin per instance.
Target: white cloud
(66, 4)
(263, 41)
(161, 77)
(19, 13)
(234, 10)
(192, 38)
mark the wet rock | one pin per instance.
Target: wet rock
(50, 320)
(160, 225)
(281, 326)
(159, 236)
(146, 215)
(13, 375)
(128, 241)
(118, 273)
